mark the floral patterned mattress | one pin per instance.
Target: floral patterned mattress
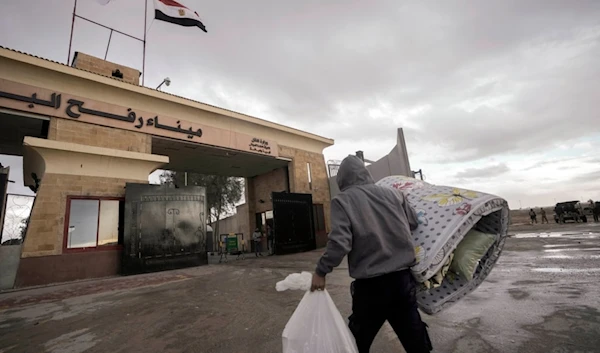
(445, 215)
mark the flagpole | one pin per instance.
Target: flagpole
(72, 27)
(144, 54)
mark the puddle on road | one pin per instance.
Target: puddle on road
(572, 249)
(566, 270)
(586, 235)
(583, 256)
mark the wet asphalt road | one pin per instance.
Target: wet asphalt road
(542, 296)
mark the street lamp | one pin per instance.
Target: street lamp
(166, 81)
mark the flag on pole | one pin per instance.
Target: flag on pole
(174, 12)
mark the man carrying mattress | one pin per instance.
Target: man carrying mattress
(372, 225)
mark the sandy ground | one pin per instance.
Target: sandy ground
(541, 297)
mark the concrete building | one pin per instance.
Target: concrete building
(89, 134)
(394, 163)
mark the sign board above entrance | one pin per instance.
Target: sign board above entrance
(27, 98)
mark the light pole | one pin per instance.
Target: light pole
(166, 81)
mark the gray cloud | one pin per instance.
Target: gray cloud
(591, 177)
(556, 161)
(485, 172)
(460, 83)
(15, 163)
(303, 61)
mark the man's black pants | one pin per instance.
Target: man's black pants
(390, 297)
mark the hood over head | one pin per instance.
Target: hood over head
(353, 172)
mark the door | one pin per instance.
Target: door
(293, 223)
(3, 190)
(319, 223)
(165, 228)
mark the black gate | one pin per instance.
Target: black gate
(293, 223)
(164, 228)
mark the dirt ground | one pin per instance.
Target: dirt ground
(521, 217)
(541, 297)
(520, 222)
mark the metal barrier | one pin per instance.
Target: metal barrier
(16, 216)
(332, 167)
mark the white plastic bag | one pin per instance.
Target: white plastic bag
(316, 326)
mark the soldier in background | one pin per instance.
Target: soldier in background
(544, 218)
(257, 238)
(270, 240)
(533, 216)
(595, 210)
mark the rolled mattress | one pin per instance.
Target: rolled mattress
(446, 214)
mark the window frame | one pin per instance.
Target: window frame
(66, 249)
(309, 172)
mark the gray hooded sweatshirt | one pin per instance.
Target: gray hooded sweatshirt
(369, 223)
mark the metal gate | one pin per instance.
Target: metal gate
(293, 223)
(164, 228)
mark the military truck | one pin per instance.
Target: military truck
(569, 211)
(586, 208)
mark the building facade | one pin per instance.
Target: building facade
(88, 129)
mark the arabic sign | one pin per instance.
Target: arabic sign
(61, 105)
(259, 146)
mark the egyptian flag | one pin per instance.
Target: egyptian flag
(174, 12)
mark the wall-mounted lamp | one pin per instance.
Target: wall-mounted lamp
(166, 81)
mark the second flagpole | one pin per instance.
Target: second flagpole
(144, 51)
(71, 37)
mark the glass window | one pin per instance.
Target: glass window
(83, 223)
(108, 230)
(93, 223)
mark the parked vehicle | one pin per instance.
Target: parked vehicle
(571, 211)
(586, 208)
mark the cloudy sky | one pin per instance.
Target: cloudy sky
(499, 96)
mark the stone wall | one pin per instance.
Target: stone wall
(43, 270)
(105, 68)
(99, 136)
(228, 225)
(260, 188)
(319, 187)
(46, 229)
(264, 185)
(237, 223)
